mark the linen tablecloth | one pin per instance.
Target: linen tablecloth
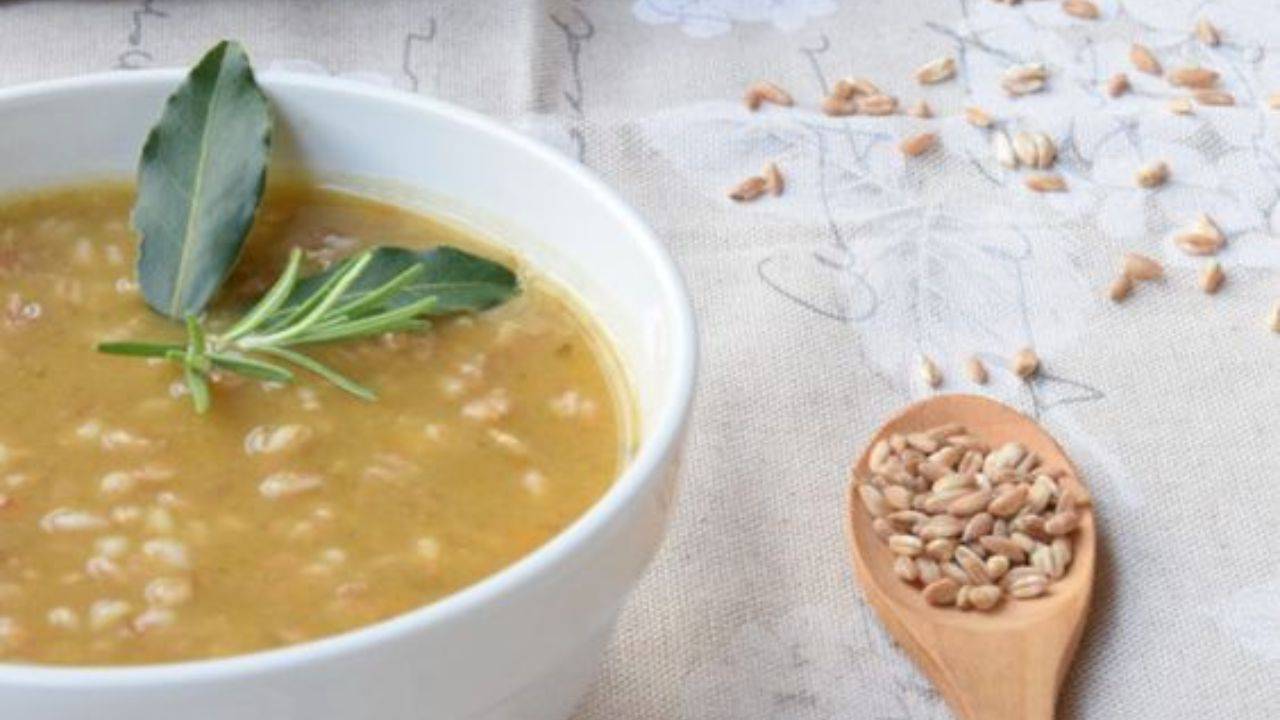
(814, 305)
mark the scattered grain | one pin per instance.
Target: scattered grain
(1118, 85)
(1180, 106)
(1152, 174)
(1193, 77)
(1142, 267)
(978, 117)
(839, 107)
(1207, 33)
(1145, 60)
(918, 144)
(976, 371)
(936, 71)
(851, 87)
(1004, 150)
(1212, 277)
(1024, 79)
(745, 191)
(1082, 9)
(929, 372)
(1025, 363)
(920, 110)
(876, 104)
(1214, 98)
(766, 92)
(1035, 149)
(1204, 238)
(1046, 183)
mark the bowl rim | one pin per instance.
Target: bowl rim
(672, 409)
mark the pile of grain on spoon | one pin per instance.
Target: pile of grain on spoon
(968, 524)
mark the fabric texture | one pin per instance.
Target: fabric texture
(814, 305)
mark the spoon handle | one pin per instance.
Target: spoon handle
(1001, 701)
(1012, 675)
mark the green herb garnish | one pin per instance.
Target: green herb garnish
(200, 182)
(384, 290)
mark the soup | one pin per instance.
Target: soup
(133, 530)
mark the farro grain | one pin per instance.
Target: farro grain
(773, 180)
(978, 117)
(1145, 60)
(1082, 9)
(908, 545)
(747, 190)
(1045, 183)
(1120, 288)
(1212, 277)
(1025, 363)
(918, 144)
(906, 570)
(766, 92)
(942, 592)
(1214, 98)
(1118, 85)
(1152, 174)
(1142, 267)
(1062, 522)
(936, 71)
(920, 109)
(1207, 32)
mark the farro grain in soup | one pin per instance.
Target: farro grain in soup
(133, 530)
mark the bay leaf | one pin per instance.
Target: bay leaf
(200, 181)
(458, 280)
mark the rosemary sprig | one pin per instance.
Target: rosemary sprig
(328, 314)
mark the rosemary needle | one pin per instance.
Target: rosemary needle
(329, 314)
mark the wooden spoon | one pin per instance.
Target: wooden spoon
(1006, 664)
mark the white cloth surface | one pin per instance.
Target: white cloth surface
(813, 305)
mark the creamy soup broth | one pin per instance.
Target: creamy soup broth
(133, 530)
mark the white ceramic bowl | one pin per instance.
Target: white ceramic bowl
(524, 643)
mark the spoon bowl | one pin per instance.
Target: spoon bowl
(1005, 664)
